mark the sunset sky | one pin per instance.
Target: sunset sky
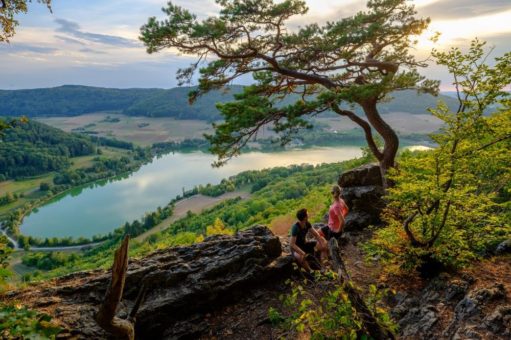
(95, 42)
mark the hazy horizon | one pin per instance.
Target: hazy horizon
(96, 44)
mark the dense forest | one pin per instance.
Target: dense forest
(32, 148)
(75, 100)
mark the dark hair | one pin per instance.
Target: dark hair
(301, 214)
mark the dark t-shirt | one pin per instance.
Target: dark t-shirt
(300, 233)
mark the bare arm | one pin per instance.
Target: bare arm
(315, 233)
(340, 215)
(341, 221)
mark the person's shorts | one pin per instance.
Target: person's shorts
(328, 234)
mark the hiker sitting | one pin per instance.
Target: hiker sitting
(300, 248)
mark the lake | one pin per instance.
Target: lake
(101, 207)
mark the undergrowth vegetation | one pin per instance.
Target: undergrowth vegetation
(321, 309)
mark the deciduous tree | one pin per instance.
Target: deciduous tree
(451, 203)
(8, 10)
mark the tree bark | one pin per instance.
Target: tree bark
(106, 315)
(371, 325)
(391, 141)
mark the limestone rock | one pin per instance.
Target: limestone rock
(473, 313)
(182, 284)
(365, 175)
(419, 321)
(362, 190)
(504, 248)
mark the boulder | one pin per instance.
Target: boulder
(365, 175)
(419, 321)
(469, 320)
(182, 283)
(504, 248)
(362, 190)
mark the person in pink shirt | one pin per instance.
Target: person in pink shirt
(336, 215)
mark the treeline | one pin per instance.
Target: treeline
(8, 198)
(135, 228)
(71, 100)
(313, 138)
(114, 143)
(193, 144)
(276, 192)
(32, 148)
(101, 168)
(255, 179)
(48, 260)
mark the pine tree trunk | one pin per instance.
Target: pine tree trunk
(390, 139)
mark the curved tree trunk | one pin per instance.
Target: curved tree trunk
(391, 141)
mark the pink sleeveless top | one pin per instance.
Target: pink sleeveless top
(336, 209)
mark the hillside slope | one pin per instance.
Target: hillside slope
(72, 100)
(34, 148)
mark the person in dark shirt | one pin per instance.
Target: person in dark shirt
(299, 245)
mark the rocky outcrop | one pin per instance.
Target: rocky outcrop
(182, 284)
(362, 190)
(450, 308)
(504, 248)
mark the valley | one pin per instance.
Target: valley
(240, 169)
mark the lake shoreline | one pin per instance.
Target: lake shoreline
(153, 183)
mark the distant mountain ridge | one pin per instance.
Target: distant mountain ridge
(74, 100)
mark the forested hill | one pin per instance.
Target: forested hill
(72, 100)
(33, 148)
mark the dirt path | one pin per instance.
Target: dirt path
(195, 204)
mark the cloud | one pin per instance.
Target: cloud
(23, 47)
(69, 40)
(90, 50)
(454, 9)
(72, 28)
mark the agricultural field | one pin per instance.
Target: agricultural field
(404, 123)
(143, 131)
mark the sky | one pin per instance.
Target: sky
(95, 42)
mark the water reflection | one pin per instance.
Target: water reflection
(105, 205)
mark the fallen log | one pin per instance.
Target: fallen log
(373, 328)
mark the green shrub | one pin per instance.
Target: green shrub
(17, 322)
(323, 310)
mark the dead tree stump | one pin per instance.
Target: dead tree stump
(105, 317)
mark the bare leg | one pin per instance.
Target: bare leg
(322, 248)
(302, 261)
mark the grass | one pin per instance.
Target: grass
(87, 161)
(28, 187)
